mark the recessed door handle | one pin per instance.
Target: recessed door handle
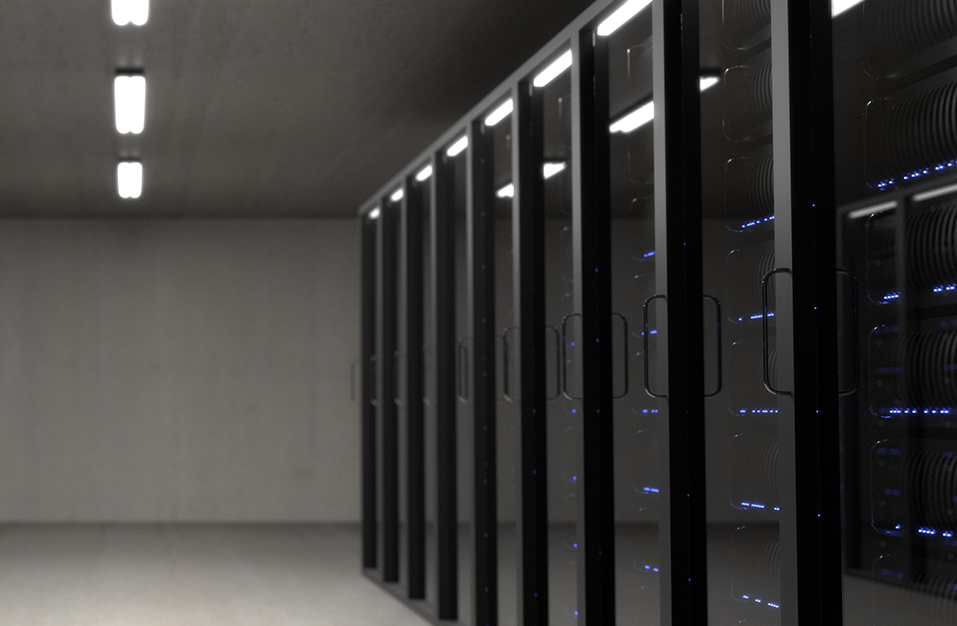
(717, 308)
(396, 396)
(564, 355)
(765, 332)
(646, 331)
(506, 372)
(463, 371)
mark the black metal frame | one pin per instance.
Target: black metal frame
(805, 244)
(481, 217)
(533, 489)
(412, 217)
(682, 535)
(443, 272)
(368, 394)
(388, 244)
(591, 216)
(803, 143)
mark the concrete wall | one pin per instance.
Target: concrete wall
(178, 370)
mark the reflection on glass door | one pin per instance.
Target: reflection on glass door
(633, 265)
(401, 387)
(499, 130)
(377, 367)
(895, 93)
(738, 233)
(430, 381)
(464, 430)
(562, 323)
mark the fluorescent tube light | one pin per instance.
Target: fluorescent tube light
(708, 82)
(398, 195)
(456, 148)
(839, 6)
(634, 120)
(500, 113)
(131, 11)
(374, 213)
(618, 19)
(552, 72)
(129, 179)
(552, 169)
(129, 91)
(424, 174)
(508, 191)
(872, 210)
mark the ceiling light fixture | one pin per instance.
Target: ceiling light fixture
(500, 113)
(839, 6)
(129, 179)
(374, 213)
(424, 174)
(618, 19)
(131, 11)
(508, 191)
(551, 169)
(129, 90)
(552, 72)
(456, 148)
(398, 195)
(634, 120)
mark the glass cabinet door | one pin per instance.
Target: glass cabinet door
(497, 139)
(370, 453)
(562, 366)
(628, 53)
(464, 430)
(429, 398)
(895, 84)
(454, 431)
(738, 212)
(400, 390)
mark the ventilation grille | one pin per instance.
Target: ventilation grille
(749, 101)
(911, 138)
(749, 191)
(899, 29)
(744, 18)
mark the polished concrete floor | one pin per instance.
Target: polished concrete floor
(189, 575)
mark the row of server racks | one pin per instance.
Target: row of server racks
(664, 331)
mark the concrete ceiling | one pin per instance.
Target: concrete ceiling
(255, 108)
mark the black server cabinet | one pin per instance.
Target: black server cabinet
(367, 397)
(895, 83)
(496, 361)
(672, 351)
(738, 234)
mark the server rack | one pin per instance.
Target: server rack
(895, 75)
(622, 396)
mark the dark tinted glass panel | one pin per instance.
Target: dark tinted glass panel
(562, 365)
(401, 395)
(896, 138)
(463, 414)
(379, 367)
(429, 399)
(507, 364)
(633, 264)
(738, 231)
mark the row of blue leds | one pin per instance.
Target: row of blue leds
(917, 174)
(940, 289)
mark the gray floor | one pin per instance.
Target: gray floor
(185, 575)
